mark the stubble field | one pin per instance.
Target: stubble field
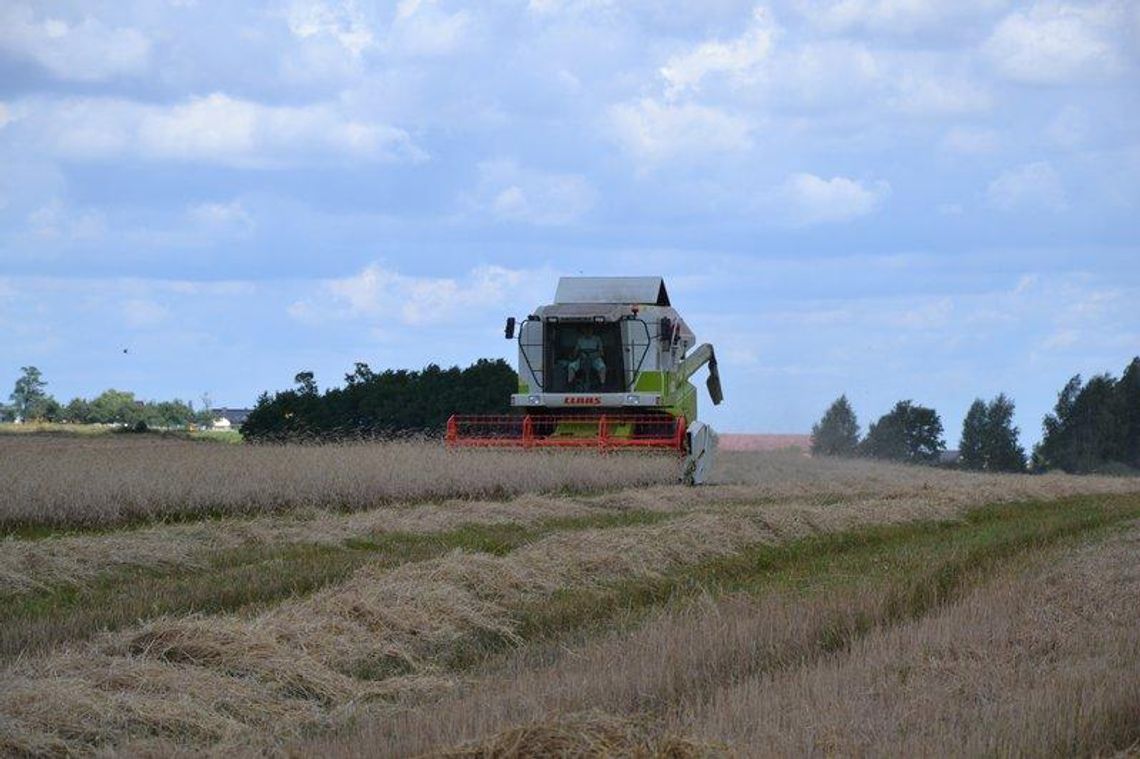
(161, 597)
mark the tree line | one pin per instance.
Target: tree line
(30, 402)
(1095, 426)
(381, 404)
(908, 432)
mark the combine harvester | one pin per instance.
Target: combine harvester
(606, 366)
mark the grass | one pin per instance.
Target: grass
(232, 437)
(251, 576)
(62, 430)
(52, 428)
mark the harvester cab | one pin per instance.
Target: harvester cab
(607, 365)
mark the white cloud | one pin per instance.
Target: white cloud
(331, 40)
(939, 96)
(1061, 339)
(215, 128)
(736, 58)
(5, 115)
(927, 313)
(1068, 128)
(1031, 186)
(55, 221)
(551, 7)
(963, 141)
(1084, 313)
(341, 22)
(512, 193)
(814, 200)
(84, 51)
(892, 16)
(377, 293)
(828, 74)
(654, 131)
(221, 216)
(1055, 43)
(421, 28)
(142, 313)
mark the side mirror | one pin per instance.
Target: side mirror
(509, 332)
(713, 382)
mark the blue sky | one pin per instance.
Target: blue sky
(888, 198)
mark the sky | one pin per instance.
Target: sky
(892, 199)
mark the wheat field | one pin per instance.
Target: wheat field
(161, 597)
(57, 481)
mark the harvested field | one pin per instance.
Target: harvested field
(595, 616)
(1044, 662)
(591, 734)
(671, 667)
(779, 487)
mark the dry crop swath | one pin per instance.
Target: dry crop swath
(589, 735)
(798, 496)
(815, 606)
(386, 635)
(1045, 663)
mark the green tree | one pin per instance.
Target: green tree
(971, 447)
(50, 410)
(204, 416)
(837, 433)
(29, 401)
(306, 383)
(395, 401)
(989, 439)
(1128, 409)
(115, 407)
(362, 373)
(168, 414)
(1096, 429)
(1003, 452)
(1086, 429)
(907, 433)
(1094, 424)
(1052, 450)
(77, 411)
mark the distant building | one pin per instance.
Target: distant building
(229, 418)
(949, 458)
(730, 441)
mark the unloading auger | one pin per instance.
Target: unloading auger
(606, 366)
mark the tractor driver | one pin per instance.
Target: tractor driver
(587, 350)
